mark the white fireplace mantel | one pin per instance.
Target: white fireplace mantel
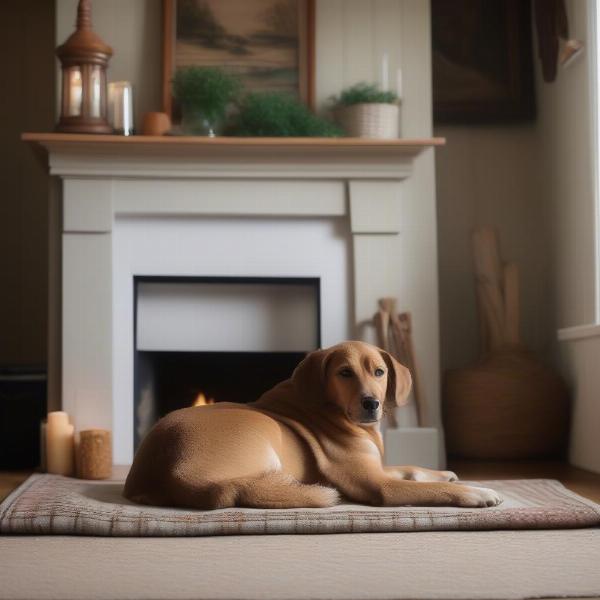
(241, 158)
(108, 178)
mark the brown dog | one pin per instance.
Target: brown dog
(302, 444)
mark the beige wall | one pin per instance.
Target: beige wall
(26, 48)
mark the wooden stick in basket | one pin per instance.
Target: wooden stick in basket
(490, 280)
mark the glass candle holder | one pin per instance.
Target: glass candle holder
(120, 107)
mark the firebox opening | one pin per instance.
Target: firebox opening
(227, 339)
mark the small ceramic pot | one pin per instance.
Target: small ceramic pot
(155, 123)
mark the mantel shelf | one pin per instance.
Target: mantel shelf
(189, 156)
(168, 143)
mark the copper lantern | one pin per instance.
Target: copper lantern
(84, 58)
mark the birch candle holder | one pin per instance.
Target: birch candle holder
(94, 454)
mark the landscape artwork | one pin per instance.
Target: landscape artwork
(265, 42)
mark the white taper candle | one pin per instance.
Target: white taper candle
(399, 84)
(385, 72)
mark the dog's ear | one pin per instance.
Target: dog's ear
(309, 376)
(399, 380)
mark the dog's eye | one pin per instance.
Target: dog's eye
(346, 372)
(379, 372)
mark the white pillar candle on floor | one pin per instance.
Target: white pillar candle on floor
(60, 451)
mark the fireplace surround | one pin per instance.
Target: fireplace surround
(331, 210)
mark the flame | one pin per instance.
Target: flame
(202, 400)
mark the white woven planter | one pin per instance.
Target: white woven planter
(369, 120)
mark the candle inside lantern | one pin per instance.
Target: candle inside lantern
(75, 92)
(60, 449)
(96, 92)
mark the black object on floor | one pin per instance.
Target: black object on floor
(22, 407)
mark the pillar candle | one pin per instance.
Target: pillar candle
(59, 444)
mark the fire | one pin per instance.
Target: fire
(202, 400)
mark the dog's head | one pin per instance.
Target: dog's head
(355, 377)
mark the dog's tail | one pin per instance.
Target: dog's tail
(269, 490)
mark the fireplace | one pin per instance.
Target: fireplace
(200, 340)
(345, 212)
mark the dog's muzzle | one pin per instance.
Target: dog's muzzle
(370, 408)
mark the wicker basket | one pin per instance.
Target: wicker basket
(372, 120)
(510, 406)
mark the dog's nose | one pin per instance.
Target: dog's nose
(370, 403)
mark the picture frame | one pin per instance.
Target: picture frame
(482, 62)
(247, 54)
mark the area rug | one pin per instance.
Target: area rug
(429, 565)
(51, 504)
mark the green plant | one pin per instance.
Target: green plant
(364, 93)
(206, 89)
(276, 114)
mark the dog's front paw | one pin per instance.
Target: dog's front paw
(476, 497)
(448, 476)
(430, 475)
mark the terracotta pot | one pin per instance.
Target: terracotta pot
(155, 123)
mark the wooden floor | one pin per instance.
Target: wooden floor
(583, 482)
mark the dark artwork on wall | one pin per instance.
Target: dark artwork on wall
(482, 61)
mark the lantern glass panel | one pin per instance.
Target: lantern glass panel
(74, 92)
(97, 83)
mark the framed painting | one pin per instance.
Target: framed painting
(482, 61)
(269, 44)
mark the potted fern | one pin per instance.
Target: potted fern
(204, 95)
(277, 114)
(364, 110)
